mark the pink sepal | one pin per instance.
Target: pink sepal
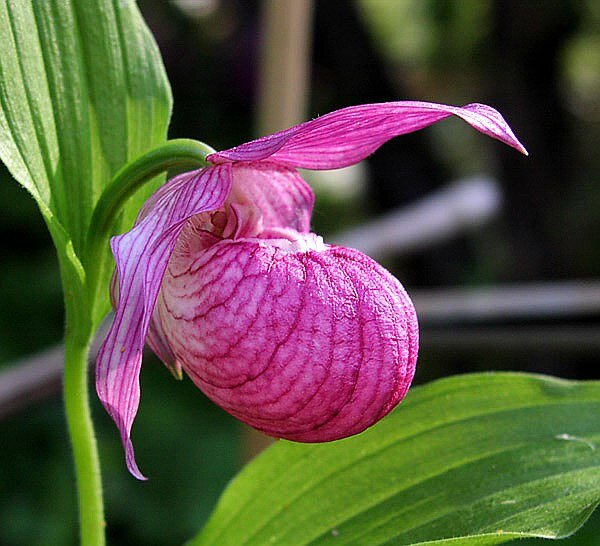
(346, 136)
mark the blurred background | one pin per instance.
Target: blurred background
(500, 251)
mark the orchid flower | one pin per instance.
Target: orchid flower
(224, 280)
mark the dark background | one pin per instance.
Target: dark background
(537, 62)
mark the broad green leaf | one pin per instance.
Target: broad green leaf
(82, 91)
(476, 460)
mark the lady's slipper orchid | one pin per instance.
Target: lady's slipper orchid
(223, 278)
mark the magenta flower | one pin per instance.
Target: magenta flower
(222, 277)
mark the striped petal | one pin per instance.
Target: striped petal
(142, 255)
(346, 136)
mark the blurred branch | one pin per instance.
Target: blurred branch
(37, 377)
(31, 379)
(284, 70)
(461, 206)
(512, 338)
(539, 301)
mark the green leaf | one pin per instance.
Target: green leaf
(82, 91)
(476, 460)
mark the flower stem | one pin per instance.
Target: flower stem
(83, 440)
(181, 153)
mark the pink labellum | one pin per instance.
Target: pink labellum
(223, 279)
(300, 340)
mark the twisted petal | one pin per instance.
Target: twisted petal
(142, 255)
(346, 136)
(310, 344)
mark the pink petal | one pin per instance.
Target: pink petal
(158, 342)
(310, 345)
(283, 198)
(156, 337)
(346, 136)
(142, 255)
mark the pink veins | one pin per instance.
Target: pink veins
(298, 339)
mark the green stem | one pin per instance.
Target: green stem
(83, 440)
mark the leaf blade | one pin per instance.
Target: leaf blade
(83, 91)
(391, 486)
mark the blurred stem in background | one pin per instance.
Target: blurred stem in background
(284, 64)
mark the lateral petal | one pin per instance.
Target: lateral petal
(346, 136)
(142, 255)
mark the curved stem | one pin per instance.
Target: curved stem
(83, 440)
(180, 153)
